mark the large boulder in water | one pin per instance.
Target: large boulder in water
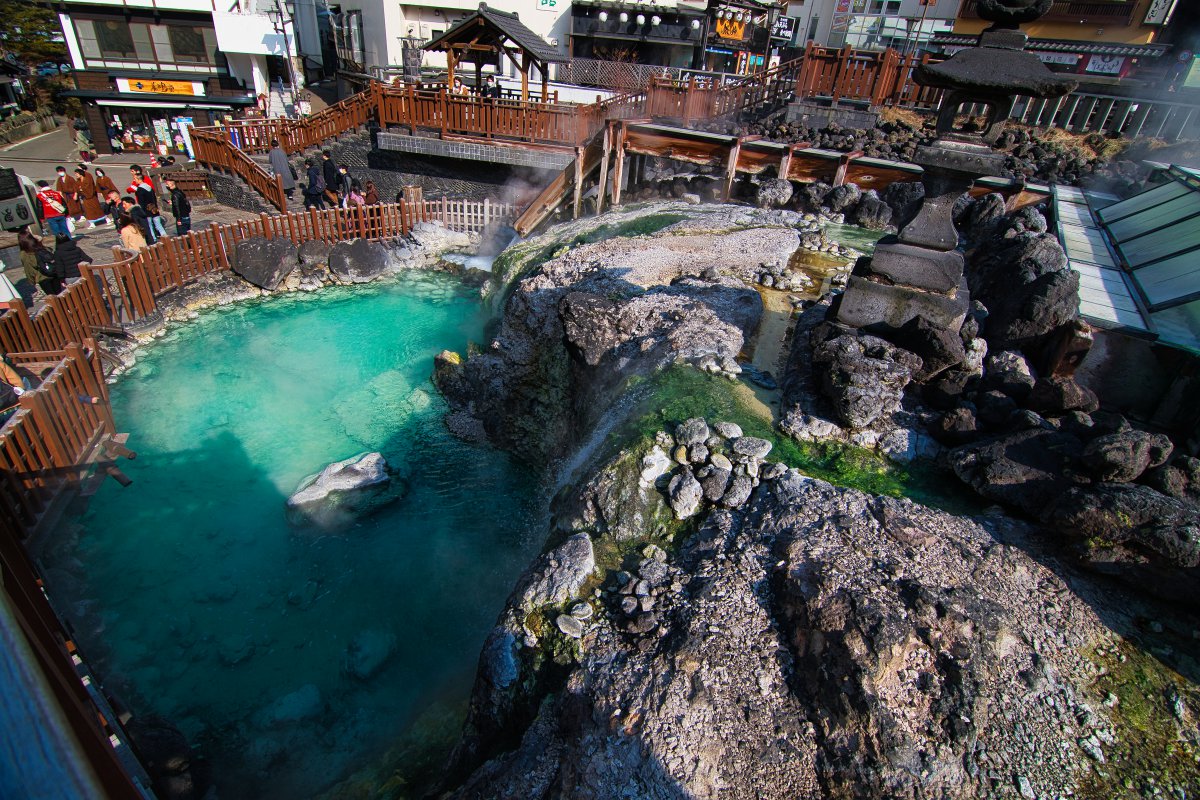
(344, 492)
(367, 652)
(358, 260)
(872, 213)
(266, 263)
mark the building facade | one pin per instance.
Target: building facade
(1101, 42)
(145, 70)
(904, 25)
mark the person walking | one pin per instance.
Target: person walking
(35, 258)
(132, 209)
(131, 234)
(84, 145)
(181, 208)
(112, 204)
(104, 184)
(88, 198)
(283, 168)
(68, 187)
(142, 188)
(345, 184)
(314, 192)
(54, 209)
(333, 180)
(67, 258)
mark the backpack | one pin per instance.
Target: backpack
(45, 262)
(318, 183)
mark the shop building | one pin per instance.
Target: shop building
(1103, 43)
(662, 33)
(147, 69)
(739, 36)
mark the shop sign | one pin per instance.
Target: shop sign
(785, 28)
(731, 29)
(1159, 12)
(159, 87)
(1057, 58)
(1105, 65)
(15, 212)
(184, 126)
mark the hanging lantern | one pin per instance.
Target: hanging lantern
(641, 19)
(695, 24)
(604, 16)
(624, 17)
(656, 20)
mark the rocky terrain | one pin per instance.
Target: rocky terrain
(709, 619)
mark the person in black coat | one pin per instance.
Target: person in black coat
(314, 192)
(66, 261)
(132, 209)
(329, 171)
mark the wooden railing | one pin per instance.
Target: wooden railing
(215, 151)
(56, 429)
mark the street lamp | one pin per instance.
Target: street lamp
(279, 22)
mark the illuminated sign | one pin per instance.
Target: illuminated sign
(731, 29)
(161, 87)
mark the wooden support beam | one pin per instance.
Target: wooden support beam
(605, 148)
(731, 169)
(578, 199)
(545, 70)
(619, 166)
(524, 68)
(785, 163)
(450, 64)
(839, 177)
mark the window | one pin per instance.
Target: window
(348, 35)
(188, 43)
(118, 40)
(115, 39)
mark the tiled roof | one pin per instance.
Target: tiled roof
(1065, 46)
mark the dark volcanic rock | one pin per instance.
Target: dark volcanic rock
(313, 253)
(1026, 286)
(1055, 395)
(358, 260)
(938, 348)
(864, 376)
(264, 262)
(1123, 457)
(842, 197)
(773, 193)
(1028, 469)
(1132, 515)
(872, 213)
(957, 426)
(905, 200)
(1008, 371)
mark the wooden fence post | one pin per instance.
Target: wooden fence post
(731, 168)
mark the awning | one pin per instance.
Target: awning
(153, 104)
(1064, 46)
(159, 100)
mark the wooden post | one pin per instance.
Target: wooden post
(731, 169)
(544, 69)
(619, 166)
(605, 147)
(785, 163)
(844, 161)
(524, 68)
(578, 201)
(450, 64)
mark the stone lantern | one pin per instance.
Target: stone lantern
(920, 272)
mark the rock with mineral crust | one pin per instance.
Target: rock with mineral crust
(266, 263)
(344, 492)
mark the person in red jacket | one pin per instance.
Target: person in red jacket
(54, 209)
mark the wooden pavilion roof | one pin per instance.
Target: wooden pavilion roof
(489, 30)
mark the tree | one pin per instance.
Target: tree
(30, 33)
